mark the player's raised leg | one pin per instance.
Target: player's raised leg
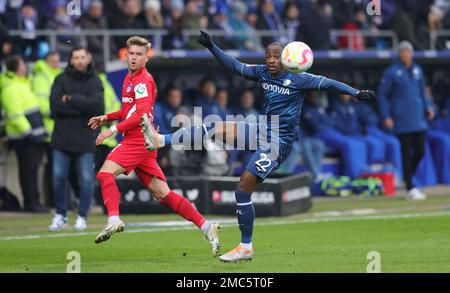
(111, 198)
(184, 208)
(222, 131)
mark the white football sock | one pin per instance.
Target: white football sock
(247, 245)
(113, 219)
(205, 226)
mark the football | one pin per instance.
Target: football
(297, 57)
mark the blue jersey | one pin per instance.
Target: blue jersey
(283, 94)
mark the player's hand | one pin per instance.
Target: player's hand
(97, 121)
(388, 123)
(205, 39)
(103, 135)
(366, 95)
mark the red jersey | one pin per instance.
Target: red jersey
(138, 97)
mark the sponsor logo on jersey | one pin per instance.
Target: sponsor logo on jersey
(130, 86)
(275, 88)
(127, 100)
(141, 91)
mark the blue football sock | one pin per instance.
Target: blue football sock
(187, 135)
(246, 215)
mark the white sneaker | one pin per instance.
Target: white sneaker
(237, 254)
(110, 228)
(150, 134)
(416, 194)
(213, 237)
(80, 224)
(58, 222)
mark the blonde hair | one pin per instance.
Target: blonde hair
(139, 41)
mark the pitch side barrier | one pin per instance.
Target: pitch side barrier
(215, 195)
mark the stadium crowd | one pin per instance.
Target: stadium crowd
(285, 20)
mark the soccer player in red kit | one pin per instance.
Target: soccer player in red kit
(138, 98)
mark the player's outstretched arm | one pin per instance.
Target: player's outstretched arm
(317, 82)
(229, 62)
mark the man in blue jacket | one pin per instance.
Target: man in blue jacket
(405, 108)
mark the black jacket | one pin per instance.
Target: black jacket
(72, 133)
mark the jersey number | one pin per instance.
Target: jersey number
(263, 163)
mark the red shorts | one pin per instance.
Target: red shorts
(136, 157)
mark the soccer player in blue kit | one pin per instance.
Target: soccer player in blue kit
(284, 93)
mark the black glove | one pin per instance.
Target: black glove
(366, 95)
(205, 39)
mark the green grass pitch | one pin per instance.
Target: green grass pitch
(335, 236)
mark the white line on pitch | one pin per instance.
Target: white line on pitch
(230, 223)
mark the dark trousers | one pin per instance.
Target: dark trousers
(29, 157)
(413, 148)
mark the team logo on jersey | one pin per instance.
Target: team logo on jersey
(130, 86)
(141, 91)
(287, 82)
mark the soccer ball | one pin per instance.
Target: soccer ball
(297, 57)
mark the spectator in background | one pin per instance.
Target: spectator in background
(60, 20)
(269, 19)
(95, 20)
(77, 95)
(370, 122)
(239, 26)
(254, 42)
(153, 20)
(165, 113)
(111, 104)
(316, 25)
(24, 129)
(404, 109)
(192, 22)
(246, 106)
(317, 123)
(26, 20)
(291, 21)
(176, 38)
(347, 122)
(206, 99)
(221, 22)
(127, 16)
(439, 143)
(6, 45)
(222, 98)
(44, 73)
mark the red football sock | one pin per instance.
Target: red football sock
(183, 207)
(110, 192)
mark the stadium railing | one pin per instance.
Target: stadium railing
(371, 53)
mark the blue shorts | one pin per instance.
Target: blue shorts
(266, 157)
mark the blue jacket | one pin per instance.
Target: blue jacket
(163, 117)
(402, 97)
(209, 108)
(315, 119)
(346, 117)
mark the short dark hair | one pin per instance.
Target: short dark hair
(77, 48)
(12, 62)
